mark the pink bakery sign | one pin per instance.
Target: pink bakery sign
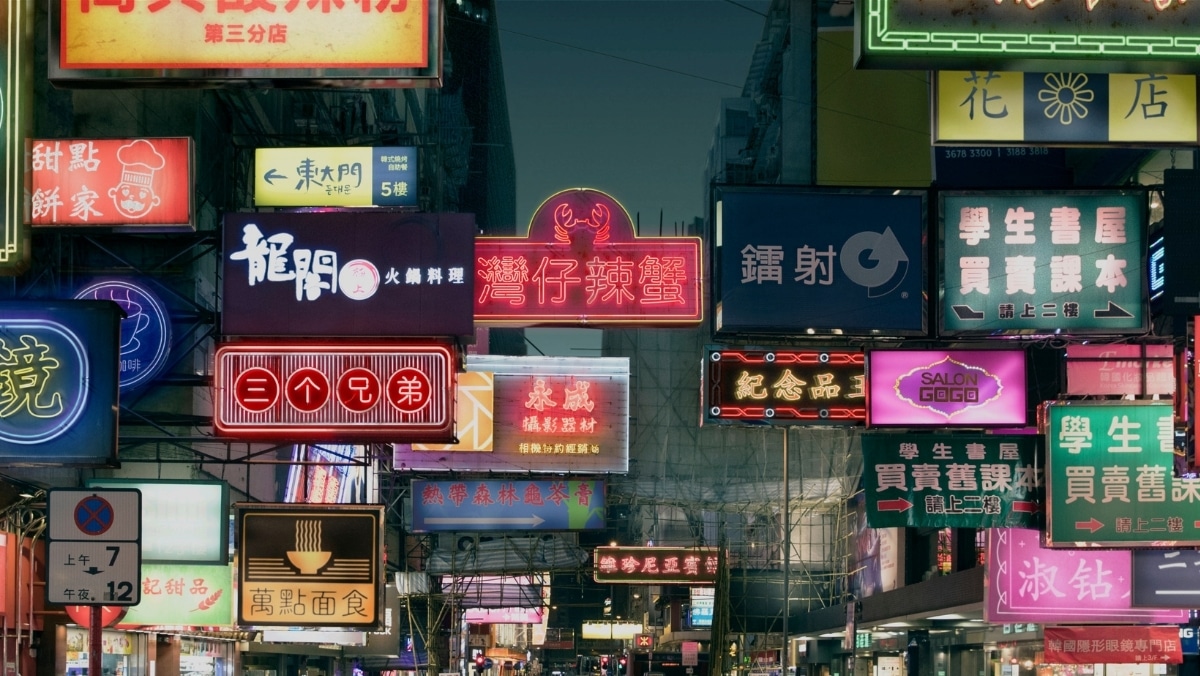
(1027, 583)
(946, 388)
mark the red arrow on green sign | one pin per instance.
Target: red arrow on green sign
(1025, 506)
(1091, 525)
(896, 505)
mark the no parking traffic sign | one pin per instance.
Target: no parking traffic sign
(94, 549)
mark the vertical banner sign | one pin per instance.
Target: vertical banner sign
(784, 386)
(582, 264)
(984, 106)
(1113, 645)
(16, 98)
(507, 505)
(955, 481)
(1067, 262)
(1028, 583)
(58, 382)
(312, 566)
(349, 177)
(139, 183)
(1111, 479)
(793, 260)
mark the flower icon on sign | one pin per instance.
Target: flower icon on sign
(1066, 96)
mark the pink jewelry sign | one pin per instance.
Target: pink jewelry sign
(946, 388)
(1028, 583)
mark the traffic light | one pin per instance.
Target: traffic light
(480, 660)
(622, 663)
(604, 664)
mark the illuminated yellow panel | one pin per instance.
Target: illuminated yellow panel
(978, 105)
(312, 177)
(1148, 108)
(475, 416)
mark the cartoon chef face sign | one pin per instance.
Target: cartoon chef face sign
(134, 196)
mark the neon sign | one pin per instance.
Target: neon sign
(784, 386)
(98, 182)
(58, 382)
(656, 565)
(383, 392)
(16, 97)
(953, 388)
(582, 264)
(145, 330)
(1034, 34)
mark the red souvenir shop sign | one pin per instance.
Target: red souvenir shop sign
(1123, 644)
(583, 265)
(143, 183)
(363, 392)
(656, 565)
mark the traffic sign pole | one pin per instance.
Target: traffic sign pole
(95, 642)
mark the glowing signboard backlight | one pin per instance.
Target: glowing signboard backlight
(582, 264)
(946, 388)
(341, 176)
(385, 392)
(656, 565)
(106, 182)
(784, 386)
(145, 330)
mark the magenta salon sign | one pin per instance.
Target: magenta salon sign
(946, 388)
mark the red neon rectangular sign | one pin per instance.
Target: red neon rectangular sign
(656, 565)
(144, 182)
(583, 265)
(784, 386)
(363, 392)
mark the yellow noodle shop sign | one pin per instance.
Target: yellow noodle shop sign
(308, 565)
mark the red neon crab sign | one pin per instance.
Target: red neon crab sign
(582, 264)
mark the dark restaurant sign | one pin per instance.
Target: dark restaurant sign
(656, 565)
(784, 386)
(348, 274)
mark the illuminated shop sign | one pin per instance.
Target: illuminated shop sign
(583, 264)
(784, 386)
(611, 630)
(1156, 267)
(550, 415)
(1120, 369)
(984, 106)
(946, 388)
(327, 473)
(311, 566)
(58, 382)
(1027, 583)
(1111, 479)
(16, 98)
(1084, 34)
(656, 565)
(182, 521)
(105, 182)
(1113, 645)
(170, 41)
(949, 480)
(507, 505)
(348, 274)
(384, 392)
(474, 423)
(502, 615)
(183, 596)
(702, 603)
(1066, 262)
(350, 177)
(796, 260)
(145, 331)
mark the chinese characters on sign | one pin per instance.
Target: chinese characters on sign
(1120, 369)
(348, 274)
(1111, 479)
(785, 386)
(582, 264)
(656, 565)
(1113, 645)
(345, 391)
(508, 505)
(100, 182)
(1027, 583)
(207, 34)
(792, 260)
(363, 177)
(1165, 578)
(1064, 108)
(1068, 262)
(551, 414)
(309, 566)
(184, 595)
(58, 381)
(946, 388)
(938, 481)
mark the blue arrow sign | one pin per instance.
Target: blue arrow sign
(479, 505)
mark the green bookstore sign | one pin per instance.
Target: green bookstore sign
(951, 480)
(1110, 477)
